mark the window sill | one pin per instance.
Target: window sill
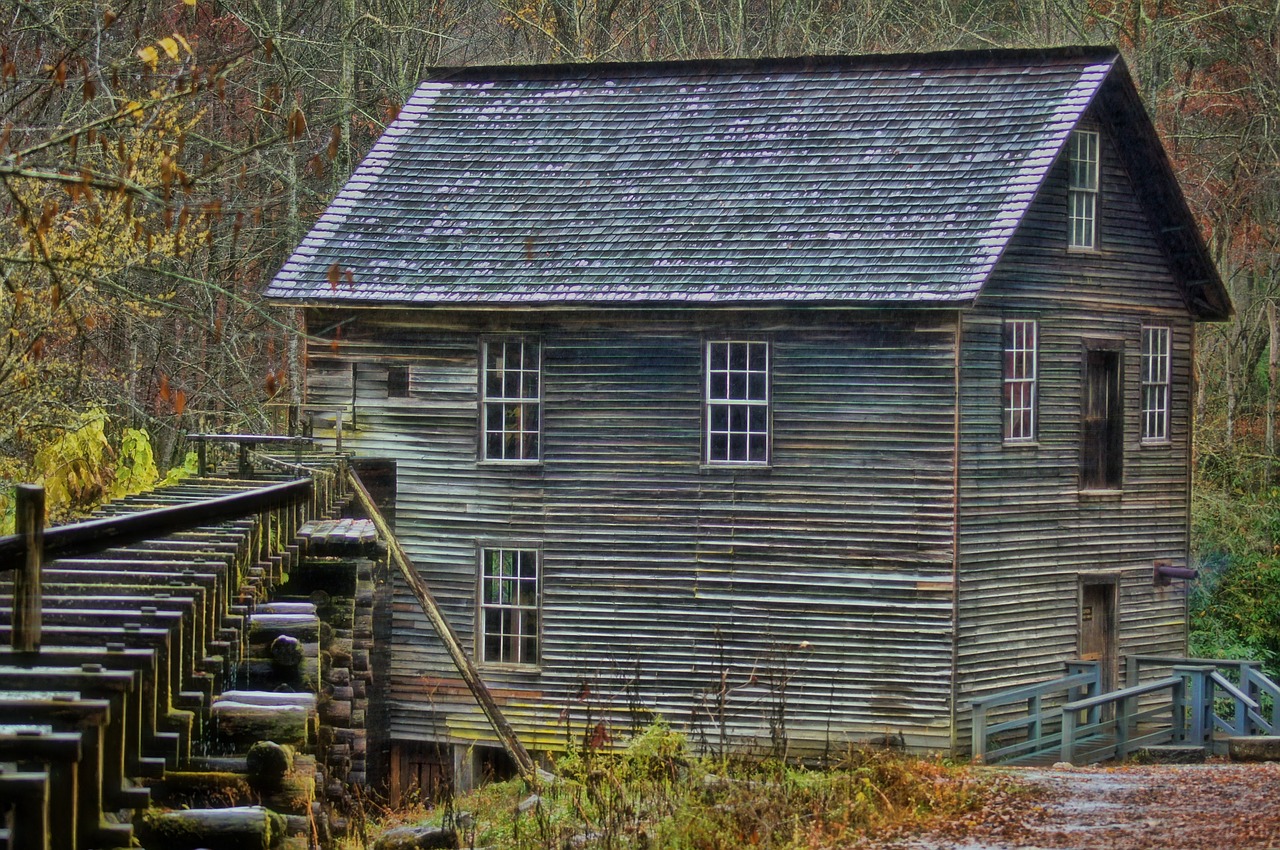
(1156, 444)
(1112, 494)
(736, 467)
(511, 464)
(509, 669)
(1020, 444)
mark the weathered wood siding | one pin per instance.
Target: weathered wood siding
(1026, 532)
(817, 590)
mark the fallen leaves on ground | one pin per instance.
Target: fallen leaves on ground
(1190, 807)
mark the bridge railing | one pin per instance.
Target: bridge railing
(1195, 700)
(1040, 728)
(1114, 724)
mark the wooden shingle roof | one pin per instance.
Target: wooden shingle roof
(841, 180)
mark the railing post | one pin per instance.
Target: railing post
(1132, 672)
(1068, 753)
(27, 603)
(1178, 723)
(979, 733)
(1124, 713)
(1035, 731)
(202, 457)
(1200, 699)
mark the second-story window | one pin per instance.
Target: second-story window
(511, 406)
(1082, 190)
(737, 402)
(1156, 363)
(1020, 352)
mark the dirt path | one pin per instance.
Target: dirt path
(1214, 806)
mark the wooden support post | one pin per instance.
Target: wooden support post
(202, 458)
(29, 522)
(245, 466)
(465, 666)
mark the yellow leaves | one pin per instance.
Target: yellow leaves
(150, 55)
(170, 48)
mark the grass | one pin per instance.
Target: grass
(656, 794)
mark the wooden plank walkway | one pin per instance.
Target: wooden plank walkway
(136, 643)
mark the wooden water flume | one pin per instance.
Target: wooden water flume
(151, 649)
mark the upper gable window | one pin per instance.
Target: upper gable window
(511, 405)
(1083, 190)
(737, 402)
(1020, 385)
(1156, 368)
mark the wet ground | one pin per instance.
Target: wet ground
(1188, 807)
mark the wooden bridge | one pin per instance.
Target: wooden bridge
(1192, 706)
(151, 649)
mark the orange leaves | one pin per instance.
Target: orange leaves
(296, 126)
(176, 398)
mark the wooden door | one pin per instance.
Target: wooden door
(1098, 628)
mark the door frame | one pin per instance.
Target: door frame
(1109, 666)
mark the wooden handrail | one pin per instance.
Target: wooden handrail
(95, 535)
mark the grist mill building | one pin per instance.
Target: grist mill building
(794, 401)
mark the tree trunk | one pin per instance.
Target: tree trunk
(1273, 368)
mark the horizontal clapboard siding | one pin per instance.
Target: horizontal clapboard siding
(816, 592)
(1026, 533)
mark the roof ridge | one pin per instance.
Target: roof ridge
(1085, 54)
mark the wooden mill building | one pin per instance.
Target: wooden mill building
(794, 401)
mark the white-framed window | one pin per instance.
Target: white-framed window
(737, 401)
(1020, 388)
(1082, 190)
(510, 605)
(1157, 365)
(511, 405)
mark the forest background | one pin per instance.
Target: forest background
(160, 159)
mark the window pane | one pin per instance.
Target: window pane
(737, 357)
(718, 357)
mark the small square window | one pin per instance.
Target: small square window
(510, 603)
(737, 402)
(398, 382)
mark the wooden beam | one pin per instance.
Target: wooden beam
(465, 666)
(29, 522)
